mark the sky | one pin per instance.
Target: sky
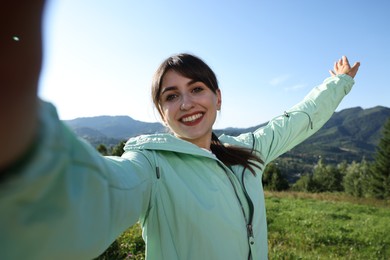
(100, 55)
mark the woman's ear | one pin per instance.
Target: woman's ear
(219, 99)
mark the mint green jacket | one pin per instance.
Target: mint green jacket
(65, 201)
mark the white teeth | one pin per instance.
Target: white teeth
(191, 118)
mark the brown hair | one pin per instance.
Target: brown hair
(194, 68)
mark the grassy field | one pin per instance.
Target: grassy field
(327, 226)
(306, 226)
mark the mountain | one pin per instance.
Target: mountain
(350, 134)
(110, 130)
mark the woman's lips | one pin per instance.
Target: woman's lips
(192, 119)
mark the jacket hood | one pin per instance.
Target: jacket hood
(165, 142)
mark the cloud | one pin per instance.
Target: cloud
(279, 80)
(283, 81)
(295, 87)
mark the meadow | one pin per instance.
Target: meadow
(327, 226)
(306, 226)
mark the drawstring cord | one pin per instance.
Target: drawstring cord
(287, 114)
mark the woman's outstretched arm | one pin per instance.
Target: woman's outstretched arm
(20, 65)
(305, 118)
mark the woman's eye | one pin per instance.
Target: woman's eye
(197, 89)
(170, 97)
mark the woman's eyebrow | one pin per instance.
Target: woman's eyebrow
(189, 83)
(168, 89)
(193, 81)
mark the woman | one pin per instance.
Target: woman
(196, 196)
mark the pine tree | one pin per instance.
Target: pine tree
(380, 171)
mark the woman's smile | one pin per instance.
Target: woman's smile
(192, 119)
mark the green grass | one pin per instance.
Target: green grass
(326, 226)
(305, 226)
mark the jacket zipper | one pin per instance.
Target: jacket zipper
(250, 204)
(248, 221)
(235, 192)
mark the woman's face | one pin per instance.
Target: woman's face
(189, 108)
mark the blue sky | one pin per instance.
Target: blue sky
(100, 55)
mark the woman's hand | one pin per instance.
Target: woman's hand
(20, 66)
(342, 67)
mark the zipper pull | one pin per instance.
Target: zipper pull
(250, 230)
(250, 234)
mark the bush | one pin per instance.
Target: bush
(129, 245)
(273, 179)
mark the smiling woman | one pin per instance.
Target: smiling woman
(196, 195)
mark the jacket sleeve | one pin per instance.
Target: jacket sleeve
(284, 132)
(67, 201)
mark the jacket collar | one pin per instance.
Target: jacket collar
(165, 142)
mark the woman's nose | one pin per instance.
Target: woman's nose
(187, 103)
